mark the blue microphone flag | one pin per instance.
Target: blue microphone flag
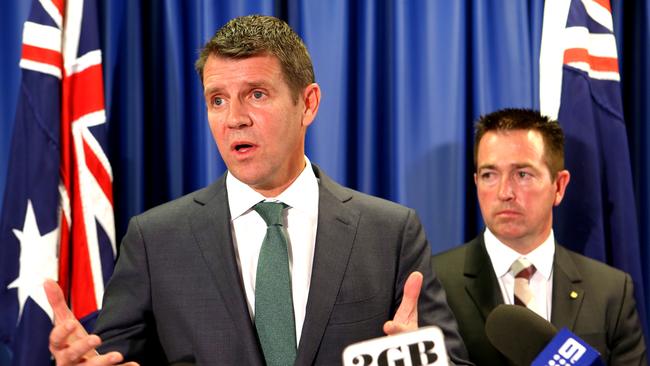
(566, 349)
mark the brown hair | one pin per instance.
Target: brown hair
(255, 35)
(525, 119)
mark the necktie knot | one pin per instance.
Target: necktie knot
(522, 268)
(271, 212)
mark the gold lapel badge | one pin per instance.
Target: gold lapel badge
(573, 295)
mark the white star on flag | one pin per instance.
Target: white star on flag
(38, 261)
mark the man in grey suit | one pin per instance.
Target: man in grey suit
(185, 286)
(520, 177)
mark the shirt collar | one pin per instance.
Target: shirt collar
(302, 194)
(502, 256)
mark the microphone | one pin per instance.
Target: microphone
(518, 333)
(528, 339)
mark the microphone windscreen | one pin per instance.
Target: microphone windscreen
(518, 333)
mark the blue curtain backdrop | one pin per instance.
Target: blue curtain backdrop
(402, 83)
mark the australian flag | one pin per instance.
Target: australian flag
(580, 86)
(57, 218)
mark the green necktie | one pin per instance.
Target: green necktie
(274, 318)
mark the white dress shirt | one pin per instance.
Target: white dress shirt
(300, 219)
(541, 283)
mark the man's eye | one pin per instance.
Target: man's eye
(523, 174)
(258, 94)
(217, 101)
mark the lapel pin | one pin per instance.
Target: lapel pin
(573, 295)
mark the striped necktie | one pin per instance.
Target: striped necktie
(523, 270)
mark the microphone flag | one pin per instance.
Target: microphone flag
(567, 349)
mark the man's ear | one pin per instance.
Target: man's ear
(561, 182)
(311, 99)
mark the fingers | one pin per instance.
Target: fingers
(70, 344)
(412, 289)
(68, 352)
(406, 316)
(82, 352)
(60, 335)
(392, 327)
(109, 359)
(409, 305)
(57, 301)
(112, 358)
(65, 333)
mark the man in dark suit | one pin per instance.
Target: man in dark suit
(520, 177)
(186, 286)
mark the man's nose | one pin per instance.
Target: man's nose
(505, 190)
(237, 115)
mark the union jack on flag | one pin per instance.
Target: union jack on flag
(57, 217)
(580, 87)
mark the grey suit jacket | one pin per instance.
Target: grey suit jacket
(176, 293)
(603, 314)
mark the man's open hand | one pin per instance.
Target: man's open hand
(70, 344)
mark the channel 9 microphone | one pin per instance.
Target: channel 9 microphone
(528, 339)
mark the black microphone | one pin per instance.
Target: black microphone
(528, 339)
(518, 333)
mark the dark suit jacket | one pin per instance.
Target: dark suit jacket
(176, 293)
(604, 313)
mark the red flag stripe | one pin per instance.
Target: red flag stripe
(80, 281)
(87, 93)
(596, 63)
(604, 3)
(42, 55)
(97, 169)
(59, 5)
(82, 285)
(64, 257)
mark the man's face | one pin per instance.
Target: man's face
(515, 190)
(256, 122)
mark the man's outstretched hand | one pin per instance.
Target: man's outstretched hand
(70, 344)
(406, 316)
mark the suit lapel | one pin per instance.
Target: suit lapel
(337, 226)
(568, 292)
(480, 280)
(211, 226)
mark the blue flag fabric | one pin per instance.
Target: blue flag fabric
(57, 214)
(598, 214)
(31, 190)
